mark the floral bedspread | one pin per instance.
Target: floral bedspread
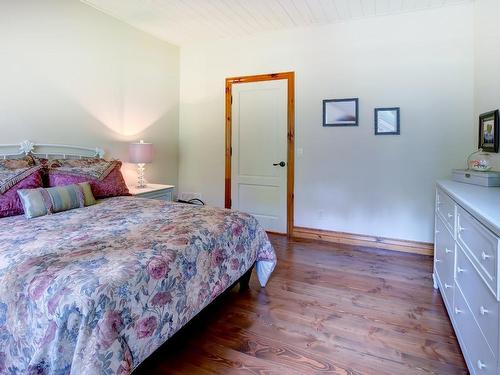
(97, 290)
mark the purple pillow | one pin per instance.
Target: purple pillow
(112, 185)
(10, 204)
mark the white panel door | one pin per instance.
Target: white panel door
(259, 152)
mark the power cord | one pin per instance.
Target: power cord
(195, 201)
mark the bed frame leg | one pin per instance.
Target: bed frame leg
(245, 280)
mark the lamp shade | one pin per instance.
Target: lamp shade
(141, 152)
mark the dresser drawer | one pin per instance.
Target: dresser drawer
(444, 259)
(158, 195)
(481, 244)
(166, 196)
(481, 301)
(479, 357)
(445, 207)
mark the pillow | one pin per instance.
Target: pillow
(87, 194)
(10, 204)
(105, 177)
(113, 185)
(33, 202)
(15, 174)
(41, 201)
(93, 168)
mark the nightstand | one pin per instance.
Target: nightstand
(154, 191)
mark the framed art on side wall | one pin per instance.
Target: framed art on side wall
(387, 121)
(340, 112)
(488, 131)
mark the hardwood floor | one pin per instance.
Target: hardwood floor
(327, 309)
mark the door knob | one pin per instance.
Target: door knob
(281, 164)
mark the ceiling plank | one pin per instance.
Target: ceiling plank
(382, 7)
(369, 8)
(343, 9)
(193, 21)
(356, 8)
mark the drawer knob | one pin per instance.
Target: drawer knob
(460, 270)
(448, 286)
(485, 256)
(460, 229)
(458, 311)
(447, 251)
(438, 260)
(483, 311)
(480, 365)
(450, 216)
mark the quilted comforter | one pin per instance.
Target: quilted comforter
(97, 290)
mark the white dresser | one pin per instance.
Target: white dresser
(466, 269)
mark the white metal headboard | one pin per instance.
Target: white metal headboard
(45, 150)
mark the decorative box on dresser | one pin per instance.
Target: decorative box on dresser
(154, 191)
(466, 269)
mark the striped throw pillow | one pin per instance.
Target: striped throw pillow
(63, 198)
(41, 201)
(33, 202)
(87, 194)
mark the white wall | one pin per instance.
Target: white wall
(347, 179)
(70, 74)
(487, 62)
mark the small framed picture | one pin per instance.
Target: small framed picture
(387, 121)
(488, 131)
(340, 112)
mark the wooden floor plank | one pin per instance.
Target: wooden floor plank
(327, 309)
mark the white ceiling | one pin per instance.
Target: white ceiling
(186, 21)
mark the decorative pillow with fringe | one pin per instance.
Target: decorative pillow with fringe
(109, 184)
(15, 174)
(12, 171)
(90, 168)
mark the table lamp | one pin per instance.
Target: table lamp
(141, 154)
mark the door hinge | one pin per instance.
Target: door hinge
(231, 151)
(230, 203)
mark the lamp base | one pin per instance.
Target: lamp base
(141, 181)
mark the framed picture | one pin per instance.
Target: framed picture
(387, 121)
(340, 112)
(488, 131)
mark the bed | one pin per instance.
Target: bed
(97, 290)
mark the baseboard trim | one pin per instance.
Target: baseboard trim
(414, 247)
(276, 233)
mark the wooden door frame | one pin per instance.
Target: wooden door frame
(290, 77)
